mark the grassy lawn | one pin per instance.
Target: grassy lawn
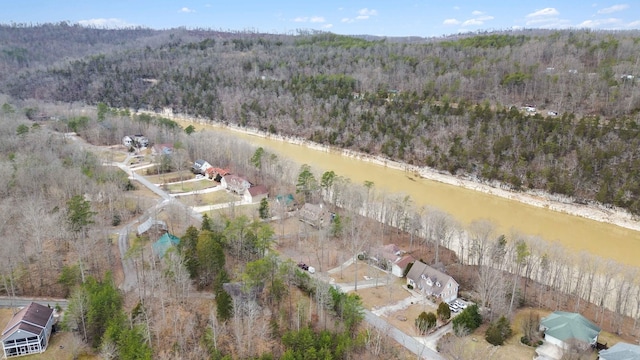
(384, 294)
(250, 211)
(211, 198)
(166, 178)
(191, 186)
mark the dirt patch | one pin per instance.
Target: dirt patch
(373, 298)
(404, 319)
(210, 198)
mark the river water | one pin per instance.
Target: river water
(572, 232)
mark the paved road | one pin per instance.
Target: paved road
(14, 302)
(130, 278)
(431, 340)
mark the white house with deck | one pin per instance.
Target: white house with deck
(28, 332)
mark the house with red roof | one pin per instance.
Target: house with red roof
(256, 193)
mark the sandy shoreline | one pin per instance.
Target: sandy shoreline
(614, 216)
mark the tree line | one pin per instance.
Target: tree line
(450, 104)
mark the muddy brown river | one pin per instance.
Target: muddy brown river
(573, 232)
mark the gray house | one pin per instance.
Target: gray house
(235, 183)
(28, 331)
(621, 351)
(431, 282)
(200, 166)
(314, 215)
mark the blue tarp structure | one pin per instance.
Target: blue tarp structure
(163, 244)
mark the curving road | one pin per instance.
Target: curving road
(130, 279)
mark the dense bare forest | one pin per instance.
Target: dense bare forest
(461, 105)
(454, 104)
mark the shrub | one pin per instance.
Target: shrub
(498, 331)
(444, 312)
(409, 286)
(426, 321)
(468, 320)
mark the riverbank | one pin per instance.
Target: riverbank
(609, 215)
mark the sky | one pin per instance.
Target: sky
(422, 18)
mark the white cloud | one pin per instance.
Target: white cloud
(472, 22)
(327, 26)
(613, 8)
(367, 12)
(546, 18)
(544, 13)
(633, 24)
(363, 14)
(313, 19)
(186, 10)
(111, 23)
(476, 13)
(600, 23)
(479, 19)
(451, 22)
(456, 8)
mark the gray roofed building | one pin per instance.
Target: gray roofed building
(28, 331)
(566, 329)
(621, 351)
(314, 215)
(432, 282)
(235, 183)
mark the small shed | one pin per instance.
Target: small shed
(398, 267)
(163, 244)
(256, 193)
(286, 201)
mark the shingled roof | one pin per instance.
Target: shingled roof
(566, 326)
(621, 351)
(32, 318)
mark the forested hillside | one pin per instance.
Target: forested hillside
(454, 104)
